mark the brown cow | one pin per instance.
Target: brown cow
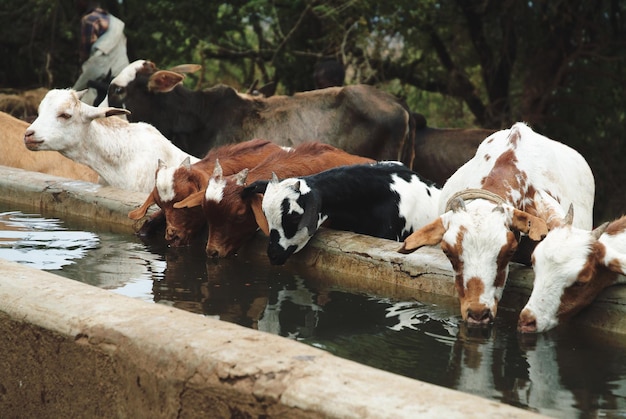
(439, 152)
(359, 119)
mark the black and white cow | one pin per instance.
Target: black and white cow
(384, 199)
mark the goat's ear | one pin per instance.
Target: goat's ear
(429, 235)
(164, 81)
(115, 112)
(186, 68)
(218, 173)
(81, 93)
(241, 177)
(141, 211)
(193, 200)
(92, 112)
(535, 227)
(256, 202)
(257, 187)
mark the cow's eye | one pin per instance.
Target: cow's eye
(65, 115)
(118, 90)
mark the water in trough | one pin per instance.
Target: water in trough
(568, 372)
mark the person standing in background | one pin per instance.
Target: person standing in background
(102, 50)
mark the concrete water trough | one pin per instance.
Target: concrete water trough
(70, 349)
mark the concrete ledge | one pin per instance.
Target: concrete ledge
(69, 349)
(355, 257)
(69, 197)
(64, 342)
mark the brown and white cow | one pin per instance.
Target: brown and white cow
(234, 216)
(517, 180)
(572, 266)
(174, 184)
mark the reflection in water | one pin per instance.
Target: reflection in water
(106, 260)
(41, 243)
(568, 372)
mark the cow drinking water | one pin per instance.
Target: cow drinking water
(517, 180)
(384, 199)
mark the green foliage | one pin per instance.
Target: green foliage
(556, 64)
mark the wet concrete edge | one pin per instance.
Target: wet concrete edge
(150, 358)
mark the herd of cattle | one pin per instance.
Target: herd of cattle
(220, 165)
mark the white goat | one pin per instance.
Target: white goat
(124, 154)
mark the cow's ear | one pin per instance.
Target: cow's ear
(193, 200)
(617, 264)
(141, 211)
(257, 187)
(429, 235)
(312, 212)
(256, 202)
(613, 258)
(268, 89)
(164, 81)
(589, 270)
(186, 68)
(535, 227)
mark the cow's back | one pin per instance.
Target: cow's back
(359, 119)
(550, 166)
(439, 152)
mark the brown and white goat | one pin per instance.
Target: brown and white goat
(174, 184)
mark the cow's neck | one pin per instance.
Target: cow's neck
(506, 180)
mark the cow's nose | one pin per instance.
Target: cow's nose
(527, 322)
(480, 315)
(213, 253)
(171, 235)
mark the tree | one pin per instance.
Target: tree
(556, 64)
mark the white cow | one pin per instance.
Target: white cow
(517, 182)
(572, 265)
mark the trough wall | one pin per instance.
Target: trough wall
(72, 350)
